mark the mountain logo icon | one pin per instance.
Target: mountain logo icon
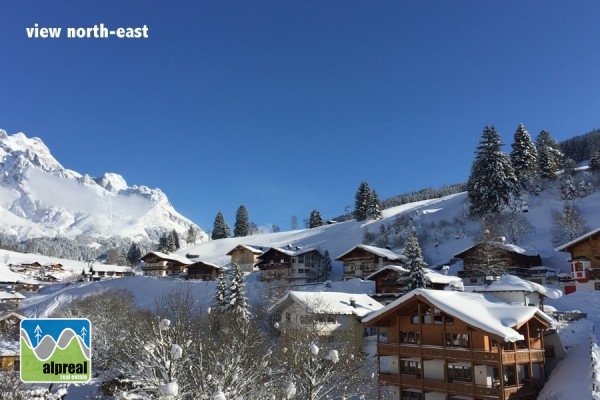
(56, 350)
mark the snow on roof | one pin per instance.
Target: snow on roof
(111, 268)
(254, 250)
(197, 261)
(30, 281)
(435, 277)
(330, 303)
(173, 257)
(511, 283)
(9, 314)
(525, 250)
(6, 275)
(7, 295)
(395, 268)
(477, 310)
(294, 251)
(563, 247)
(385, 253)
(9, 348)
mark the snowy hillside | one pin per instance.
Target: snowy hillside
(41, 198)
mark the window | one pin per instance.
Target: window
(305, 319)
(17, 365)
(459, 373)
(457, 340)
(288, 317)
(329, 319)
(407, 395)
(410, 367)
(410, 337)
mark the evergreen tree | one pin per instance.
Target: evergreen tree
(192, 234)
(492, 182)
(415, 264)
(221, 296)
(170, 247)
(133, 254)
(237, 300)
(242, 223)
(362, 202)
(163, 246)
(595, 159)
(315, 219)
(374, 206)
(325, 268)
(524, 157)
(176, 239)
(220, 228)
(549, 155)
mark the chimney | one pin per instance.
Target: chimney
(353, 302)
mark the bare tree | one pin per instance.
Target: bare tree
(568, 224)
(513, 226)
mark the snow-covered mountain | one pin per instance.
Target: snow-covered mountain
(41, 198)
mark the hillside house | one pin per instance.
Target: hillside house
(294, 264)
(156, 263)
(390, 282)
(103, 271)
(245, 256)
(442, 344)
(362, 260)
(29, 285)
(518, 259)
(204, 271)
(11, 298)
(326, 313)
(10, 324)
(584, 264)
(10, 356)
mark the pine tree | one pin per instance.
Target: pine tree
(315, 219)
(221, 296)
(220, 228)
(549, 155)
(362, 202)
(595, 159)
(492, 182)
(374, 206)
(163, 244)
(192, 234)
(176, 242)
(242, 223)
(133, 254)
(325, 268)
(237, 300)
(415, 264)
(524, 157)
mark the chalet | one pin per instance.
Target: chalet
(10, 358)
(103, 271)
(297, 265)
(204, 271)
(10, 323)
(518, 260)
(584, 262)
(12, 298)
(29, 285)
(156, 263)
(245, 256)
(326, 313)
(53, 267)
(442, 344)
(390, 282)
(363, 260)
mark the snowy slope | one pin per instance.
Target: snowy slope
(39, 197)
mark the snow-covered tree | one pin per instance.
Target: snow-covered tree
(595, 159)
(221, 295)
(374, 206)
(133, 254)
(192, 234)
(220, 228)
(325, 267)
(492, 182)
(568, 191)
(524, 157)
(362, 202)
(512, 225)
(549, 155)
(315, 219)
(490, 255)
(176, 242)
(568, 224)
(415, 264)
(163, 244)
(236, 296)
(242, 222)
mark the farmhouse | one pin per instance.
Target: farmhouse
(204, 271)
(363, 260)
(245, 256)
(294, 264)
(585, 261)
(156, 263)
(440, 344)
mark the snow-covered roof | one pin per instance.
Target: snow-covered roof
(9, 348)
(196, 261)
(563, 247)
(110, 268)
(512, 283)
(385, 253)
(330, 303)
(395, 268)
(6, 295)
(524, 250)
(294, 251)
(254, 250)
(435, 277)
(475, 309)
(29, 281)
(172, 257)
(9, 314)
(7, 276)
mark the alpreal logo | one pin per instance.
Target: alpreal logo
(56, 350)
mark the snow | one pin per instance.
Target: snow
(331, 303)
(385, 253)
(509, 283)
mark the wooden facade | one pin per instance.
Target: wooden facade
(294, 265)
(245, 256)
(585, 258)
(423, 350)
(204, 271)
(363, 260)
(160, 264)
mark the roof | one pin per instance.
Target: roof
(6, 275)
(245, 247)
(8, 295)
(395, 268)
(295, 251)
(172, 257)
(526, 251)
(329, 303)
(206, 263)
(9, 348)
(431, 275)
(476, 309)
(9, 314)
(511, 283)
(385, 253)
(110, 268)
(581, 238)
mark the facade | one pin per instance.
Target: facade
(519, 261)
(442, 344)
(204, 271)
(12, 298)
(296, 265)
(157, 263)
(585, 261)
(102, 271)
(245, 256)
(362, 260)
(10, 359)
(326, 313)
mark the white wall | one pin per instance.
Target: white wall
(433, 369)
(483, 375)
(389, 365)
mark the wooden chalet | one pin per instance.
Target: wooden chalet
(585, 261)
(156, 263)
(11, 298)
(245, 256)
(204, 271)
(10, 324)
(103, 271)
(363, 260)
(294, 264)
(518, 259)
(10, 356)
(443, 344)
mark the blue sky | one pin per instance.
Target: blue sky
(286, 106)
